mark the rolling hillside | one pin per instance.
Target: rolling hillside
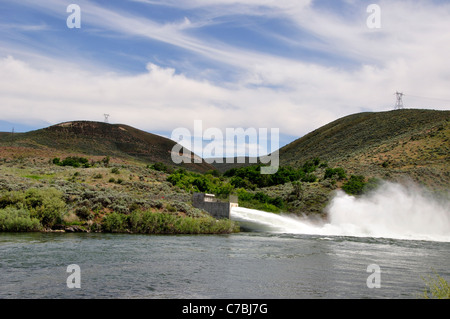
(96, 139)
(394, 145)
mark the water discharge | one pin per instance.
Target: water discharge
(392, 211)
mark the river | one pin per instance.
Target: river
(244, 265)
(276, 257)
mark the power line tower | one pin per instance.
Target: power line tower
(106, 117)
(399, 103)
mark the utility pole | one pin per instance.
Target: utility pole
(399, 103)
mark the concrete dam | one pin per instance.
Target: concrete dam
(213, 206)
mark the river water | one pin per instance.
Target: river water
(276, 257)
(244, 265)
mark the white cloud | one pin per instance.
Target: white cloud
(408, 53)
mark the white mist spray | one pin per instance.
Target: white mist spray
(391, 211)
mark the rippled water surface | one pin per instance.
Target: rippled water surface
(244, 265)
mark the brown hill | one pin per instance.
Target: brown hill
(399, 144)
(99, 139)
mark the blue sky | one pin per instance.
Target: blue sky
(158, 65)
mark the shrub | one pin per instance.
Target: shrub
(213, 172)
(149, 222)
(355, 185)
(309, 178)
(260, 201)
(437, 288)
(250, 177)
(84, 213)
(160, 167)
(13, 198)
(72, 161)
(171, 208)
(45, 204)
(115, 170)
(339, 173)
(239, 182)
(105, 161)
(17, 220)
(371, 184)
(115, 223)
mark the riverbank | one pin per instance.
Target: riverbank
(39, 196)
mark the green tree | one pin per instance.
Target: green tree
(338, 172)
(160, 167)
(355, 185)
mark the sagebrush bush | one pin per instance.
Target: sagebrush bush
(149, 222)
(115, 223)
(437, 288)
(17, 220)
(45, 204)
(83, 213)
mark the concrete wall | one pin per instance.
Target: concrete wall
(210, 204)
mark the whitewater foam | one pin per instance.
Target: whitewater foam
(392, 211)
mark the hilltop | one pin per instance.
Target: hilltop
(393, 145)
(95, 139)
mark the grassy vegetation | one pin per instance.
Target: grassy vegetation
(357, 152)
(307, 189)
(67, 186)
(151, 222)
(436, 288)
(386, 145)
(18, 220)
(72, 161)
(59, 197)
(44, 205)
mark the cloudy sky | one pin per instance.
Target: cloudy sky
(159, 65)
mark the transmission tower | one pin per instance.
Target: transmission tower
(106, 117)
(399, 103)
